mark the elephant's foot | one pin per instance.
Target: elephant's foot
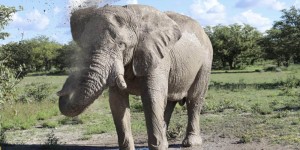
(159, 147)
(126, 148)
(192, 140)
(127, 145)
(162, 146)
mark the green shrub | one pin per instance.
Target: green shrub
(240, 107)
(291, 82)
(85, 137)
(70, 120)
(52, 139)
(258, 70)
(2, 136)
(245, 139)
(8, 81)
(272, 68)
(210, 106)
(289, 86)
(261, 109)
(95, 129)
(282, 114)
(176, 130)
(220, 106)
(37, 92)
(50, 124)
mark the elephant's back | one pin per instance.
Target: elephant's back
(188, 55)
(189, 25)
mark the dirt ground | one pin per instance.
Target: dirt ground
(69, 139)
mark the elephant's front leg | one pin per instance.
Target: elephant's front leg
(119, 105)
(154, 98)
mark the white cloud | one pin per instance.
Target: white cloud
(208, 12)
(132, 1)
(33, 20)
(274, 4)
(297, 3)
(254, 19)
(56, 10)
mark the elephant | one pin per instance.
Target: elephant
(164, 57)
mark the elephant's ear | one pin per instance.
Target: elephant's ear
(78, 20)
(156, 38)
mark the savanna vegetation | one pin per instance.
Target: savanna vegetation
(254, 93)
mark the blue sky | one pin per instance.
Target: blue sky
(51, 17)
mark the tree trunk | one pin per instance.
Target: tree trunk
(231, 64)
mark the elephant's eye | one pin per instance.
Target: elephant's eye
(121, 45)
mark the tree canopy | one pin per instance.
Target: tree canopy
(282, 41)
(234, 45)
(36, 54)
(5, 17)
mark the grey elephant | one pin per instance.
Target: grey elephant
(164, 57)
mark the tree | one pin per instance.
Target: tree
(16, 55)
(67, 56)
(234, 45)
(36, 54)
(8, 77)
(5, 17)
(282, 41)
(44, 52)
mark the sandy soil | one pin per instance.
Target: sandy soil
(69, 138)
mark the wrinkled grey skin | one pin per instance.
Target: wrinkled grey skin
(164, 57)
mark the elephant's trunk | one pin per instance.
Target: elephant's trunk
(79, 91)
(78, 95)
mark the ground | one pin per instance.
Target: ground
(243, 110)
(69, 135)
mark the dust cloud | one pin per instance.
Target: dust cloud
(79, 4)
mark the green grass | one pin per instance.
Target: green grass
(50, 124)
(19, 115)
(250, 106)
(24, 116)
(254, 77)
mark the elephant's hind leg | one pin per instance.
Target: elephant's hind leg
(168, 111)
(194, 104)
(119, 105)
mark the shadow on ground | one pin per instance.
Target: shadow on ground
(75, 147)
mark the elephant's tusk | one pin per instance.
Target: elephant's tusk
(60, 93)
(121, 82)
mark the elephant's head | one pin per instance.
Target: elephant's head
(113, 37)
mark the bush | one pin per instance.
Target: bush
(2, 136)
(261, 109)
(37, 92)
(70, 121)
(291, 82)
(273, 68)
(8, 81)
(282, 114)
(52, 139)
(289, 87)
